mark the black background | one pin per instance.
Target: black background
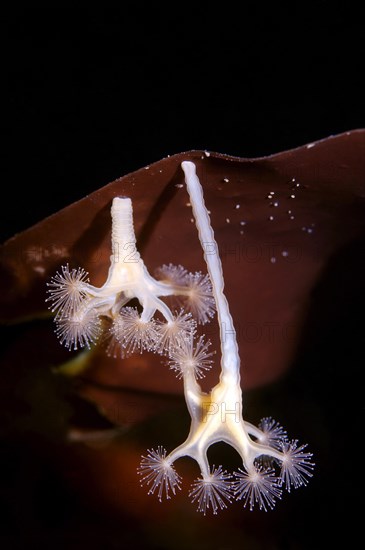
(90, 95)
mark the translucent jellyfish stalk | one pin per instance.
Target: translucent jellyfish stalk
(269, 460)
(83, 312)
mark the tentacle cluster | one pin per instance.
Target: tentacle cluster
(256, 485)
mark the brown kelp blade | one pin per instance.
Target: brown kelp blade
(277, 221)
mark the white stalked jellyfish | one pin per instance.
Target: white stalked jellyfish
(269, 460)
(82, 311)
